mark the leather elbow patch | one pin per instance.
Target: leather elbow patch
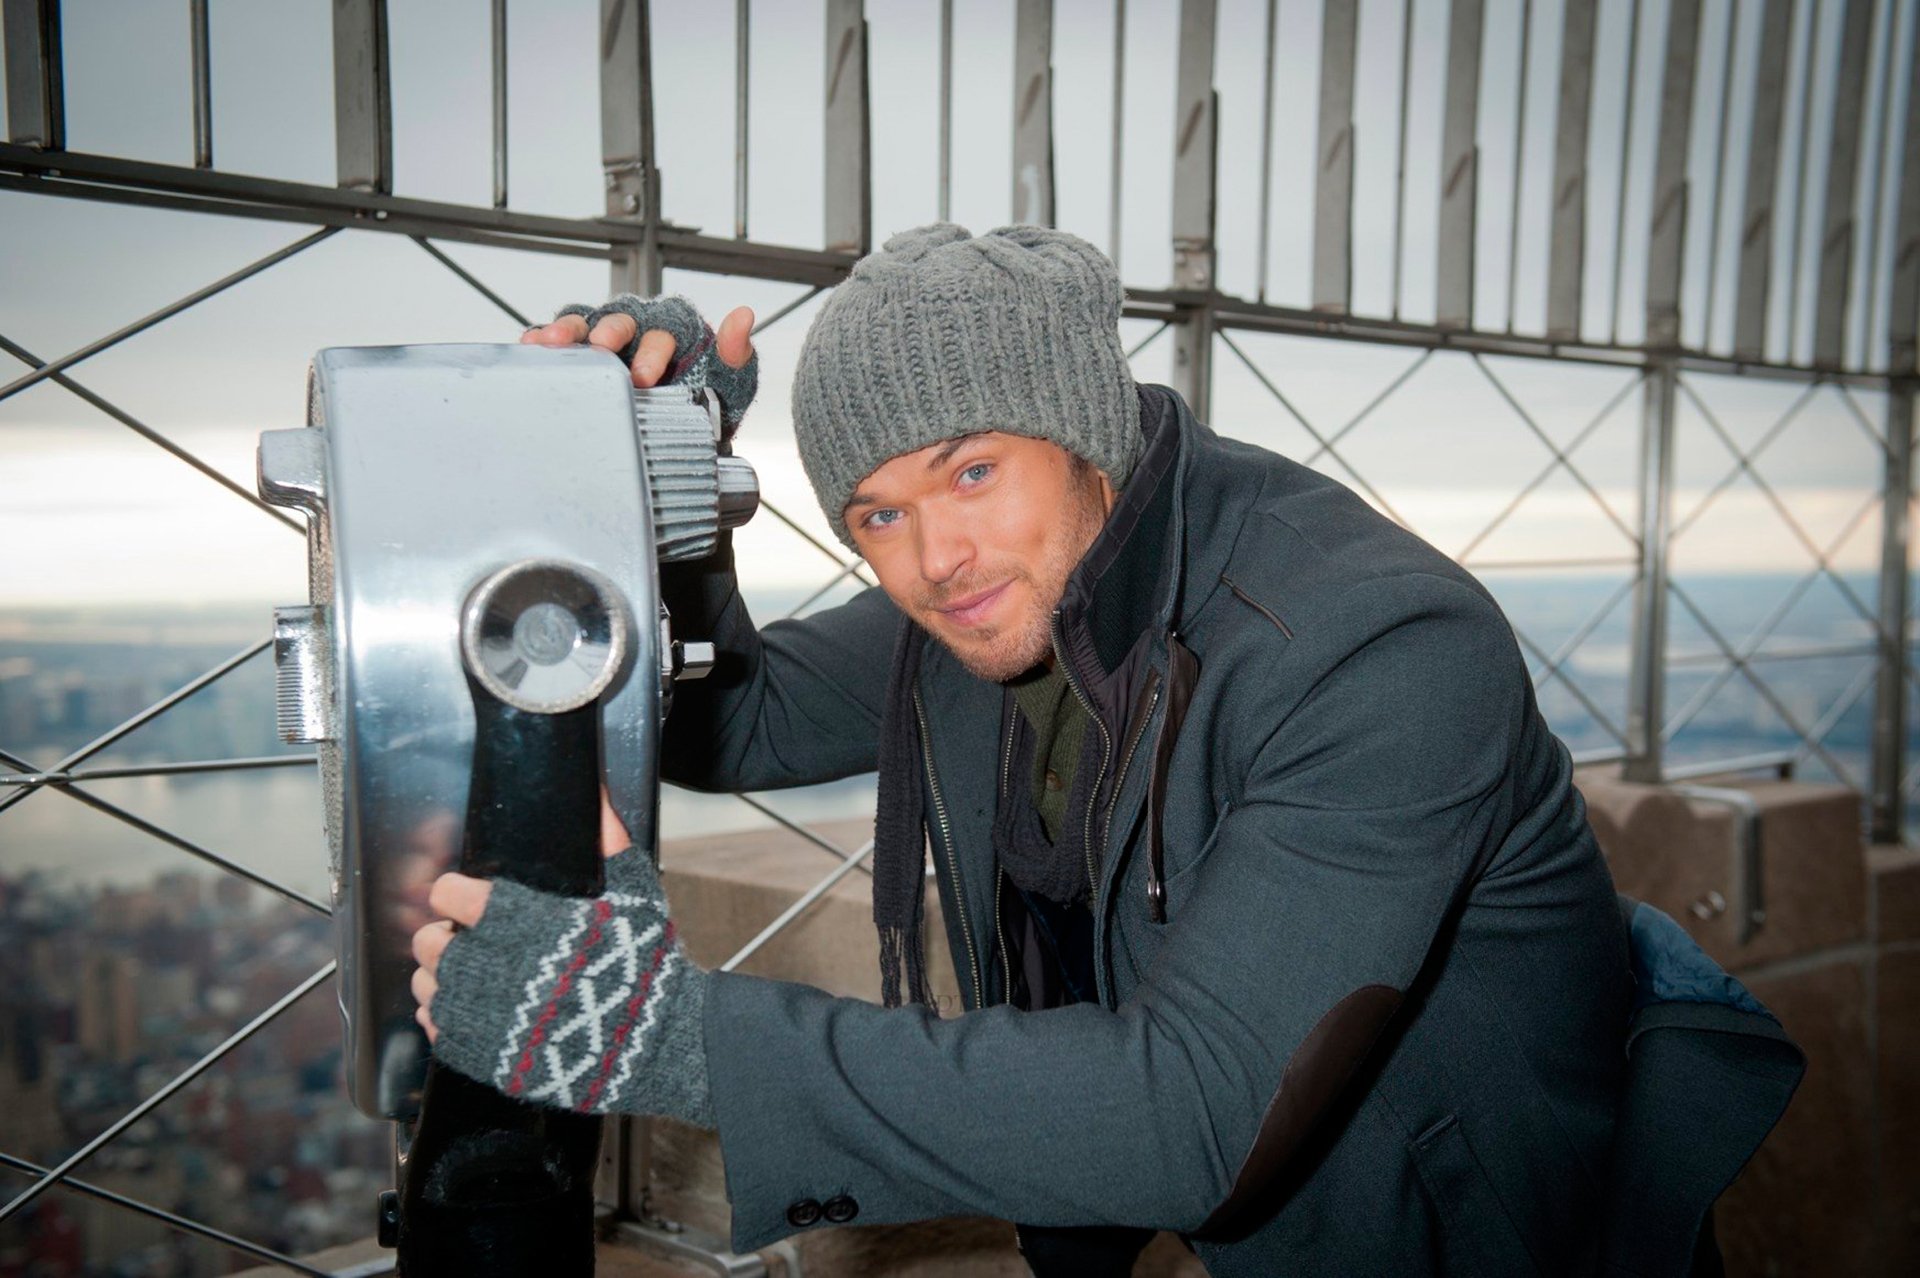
(1321, 1068)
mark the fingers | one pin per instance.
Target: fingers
(614, 838)
(568, 330)
(733, 341)
(429, 943)
(613, 332)
(426, 1023)
(655, 353)
(457, 897)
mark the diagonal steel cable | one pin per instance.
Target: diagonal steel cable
(1374, 403)
(1759, 685)
(1780, 508)
(434, 251)
(829, 584)
(151, 713)
(818, 840)
(799, 906)
(1743, 461)
(1584, 631)
(183, 768)
(762, 326)
(1764, 630)
(1147, 341)
(180, 1080)
(1326, 447)
(1579, 694)
(149, 434)
(1826, 723)
(166, 1217)
(857, 568)
(1559, 456)
(166, 312)
(1546, 472)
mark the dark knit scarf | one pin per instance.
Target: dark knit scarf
(1055, 868)
(900, 832)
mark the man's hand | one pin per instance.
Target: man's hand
(584, 1003)
(664, 340)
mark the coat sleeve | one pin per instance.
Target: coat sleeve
(794, 703)
(1360, 819)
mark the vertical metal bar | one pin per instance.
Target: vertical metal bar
(849, 190)
(1843, 157)
(1195, 147)
(1033, 112)
(1877, 174)
(1627, 113)
(946, 110)
(1400, 159)
(1903, 292)
(1667, 234)
(201, 40)
(1567, 247)
(1333, 184)
(362, 96)
(1266, 151)
(1519, 158)
(1803, 152)
(499, 104)
(1460, 168)
(1890, 690)
(1719, 175)
(1192, 372)
(36, 97)
(1119, 126)
(1646, 675)
(741, 18)
(626, 140)
(1763, 157)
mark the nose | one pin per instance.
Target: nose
(946, 548)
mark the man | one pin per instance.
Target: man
(1277, 919)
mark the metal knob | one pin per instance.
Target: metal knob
(545, 636)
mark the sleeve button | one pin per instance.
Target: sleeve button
(803, 1213)
(841, 1209)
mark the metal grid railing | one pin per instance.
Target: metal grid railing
(1844, 345)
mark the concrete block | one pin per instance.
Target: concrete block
(1672, 852)
(1896, 892)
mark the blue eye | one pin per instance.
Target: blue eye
(977, 472)
(880, 518)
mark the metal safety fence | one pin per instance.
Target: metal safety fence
(1635, 266)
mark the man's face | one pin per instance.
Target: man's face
(974, 538)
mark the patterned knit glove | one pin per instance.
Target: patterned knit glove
(583, 1003)
(695, 361)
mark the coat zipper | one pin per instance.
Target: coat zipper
(999, 871)
(946, 841)
(1106, 757)
(1126, 760)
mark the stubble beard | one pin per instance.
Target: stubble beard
(1000, 653)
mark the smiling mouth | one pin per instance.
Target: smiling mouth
(972, 610)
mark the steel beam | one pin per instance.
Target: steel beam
(1667, 236)
(1196, 145)
(1566, 254)
(200, 38)
(1116, 158)
(849, 167)
(498, 24)
(1763, 163)
(1033, 112)
(742, 30)
(1193, 359)
(1903, 295)
(362, 96)
(1459, 169)
(1889, 766)
(1646, 674)
(1843, 162)
(36, 98)
(626, 143)
(1333, 184)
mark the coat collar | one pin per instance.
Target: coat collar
(1126, 588)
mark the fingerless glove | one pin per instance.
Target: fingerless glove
(583, 1003)
(695, 361)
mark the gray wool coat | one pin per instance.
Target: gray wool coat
(1364, 985)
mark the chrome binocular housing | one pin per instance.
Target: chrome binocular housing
(483, 513)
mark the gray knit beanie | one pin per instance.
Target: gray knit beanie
(943, 333)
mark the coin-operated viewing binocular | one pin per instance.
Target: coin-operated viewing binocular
(484, 647)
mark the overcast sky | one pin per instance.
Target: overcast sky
(111, 518)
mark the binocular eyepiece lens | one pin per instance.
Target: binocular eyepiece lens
(544, 636)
